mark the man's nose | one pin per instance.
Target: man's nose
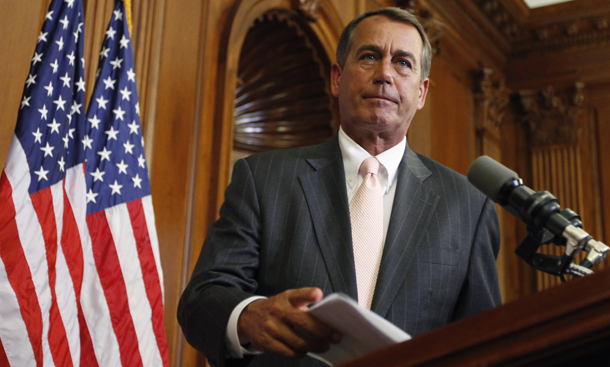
(383, 73)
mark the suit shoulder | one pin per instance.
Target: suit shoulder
(446, 175)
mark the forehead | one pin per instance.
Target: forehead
(386, 33)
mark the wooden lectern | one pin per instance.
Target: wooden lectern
(568, 325)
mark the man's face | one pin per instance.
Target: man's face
(380, 87)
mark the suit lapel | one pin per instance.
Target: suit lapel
(414, 204)
(326, 196)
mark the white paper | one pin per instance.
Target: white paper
(363, 330)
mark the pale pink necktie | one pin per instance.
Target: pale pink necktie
(366, 214)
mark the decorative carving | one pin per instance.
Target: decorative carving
(492, 99)
(550, 119)
(307, 8)
(499, 17)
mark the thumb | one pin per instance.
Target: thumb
(300, 298)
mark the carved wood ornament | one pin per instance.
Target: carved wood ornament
(492, 99)
(550, 119)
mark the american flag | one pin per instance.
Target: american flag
(80, 276)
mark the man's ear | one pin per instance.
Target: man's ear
(335, 74)
(423, 92)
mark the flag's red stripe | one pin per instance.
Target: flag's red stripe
(73, 252)
(18, 270)
(58, 341)
(111, 277)
(3, 357)
(149, 273)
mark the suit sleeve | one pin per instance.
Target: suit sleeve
(225, 273)
(481, 290)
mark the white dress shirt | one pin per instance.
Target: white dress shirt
(353, 156)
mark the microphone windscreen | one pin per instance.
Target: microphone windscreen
(489, 176)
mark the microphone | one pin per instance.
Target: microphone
(538, 210)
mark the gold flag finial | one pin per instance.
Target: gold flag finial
(128, 15)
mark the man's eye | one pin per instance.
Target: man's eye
(368, 57)
(404, 63)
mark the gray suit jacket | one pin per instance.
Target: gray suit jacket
(285, 224)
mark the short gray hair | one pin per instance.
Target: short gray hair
(396, 14)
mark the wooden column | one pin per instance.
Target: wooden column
(554, 136)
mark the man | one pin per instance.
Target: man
(285, 234)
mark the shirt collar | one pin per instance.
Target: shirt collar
(353, 155)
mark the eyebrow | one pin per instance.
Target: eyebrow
(379, 50)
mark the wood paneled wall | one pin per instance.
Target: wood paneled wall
(187, 55)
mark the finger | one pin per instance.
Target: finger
(300, 341)
(300, 298)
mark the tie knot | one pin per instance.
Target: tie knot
(369, 165)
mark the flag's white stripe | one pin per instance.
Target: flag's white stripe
(30, 235)
(93, 302)
(120, 226)
(13, 332)
(64, 288)
(154, 241)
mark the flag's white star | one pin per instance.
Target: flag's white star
(141, 161)
(48, 150)
(70, 3)
(98, 175)
(116, 64)
(105, 154)
(25, 101)
(80, 84)
(125, 93)
(43, 112)
(104, 52)
(124, 42)
(87, 142)
(119, 113)
(49, 89)
(42, 174)
(75, 34)
(66, 140)
(75, 107)
(37, 58)
(71, 57)
(37, 136)
(60, 103)
(65, 22)
(112, 133)
(66, 79)
(71, 133)
(118, 14)
(133, 127)
(49, 15)
(131, 75)
(128, 147)
(122, 167)
(90, 196)
(32, 80)
(54, 126)
(137, 181)
(138, 108)
(95, 122)
(54, 65)
(116, 188)
(60, 43)
(61, 163)
(101, 102)
(110, 32)
(109, 83)
(42, 36)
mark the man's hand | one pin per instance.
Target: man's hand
(280, 324)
